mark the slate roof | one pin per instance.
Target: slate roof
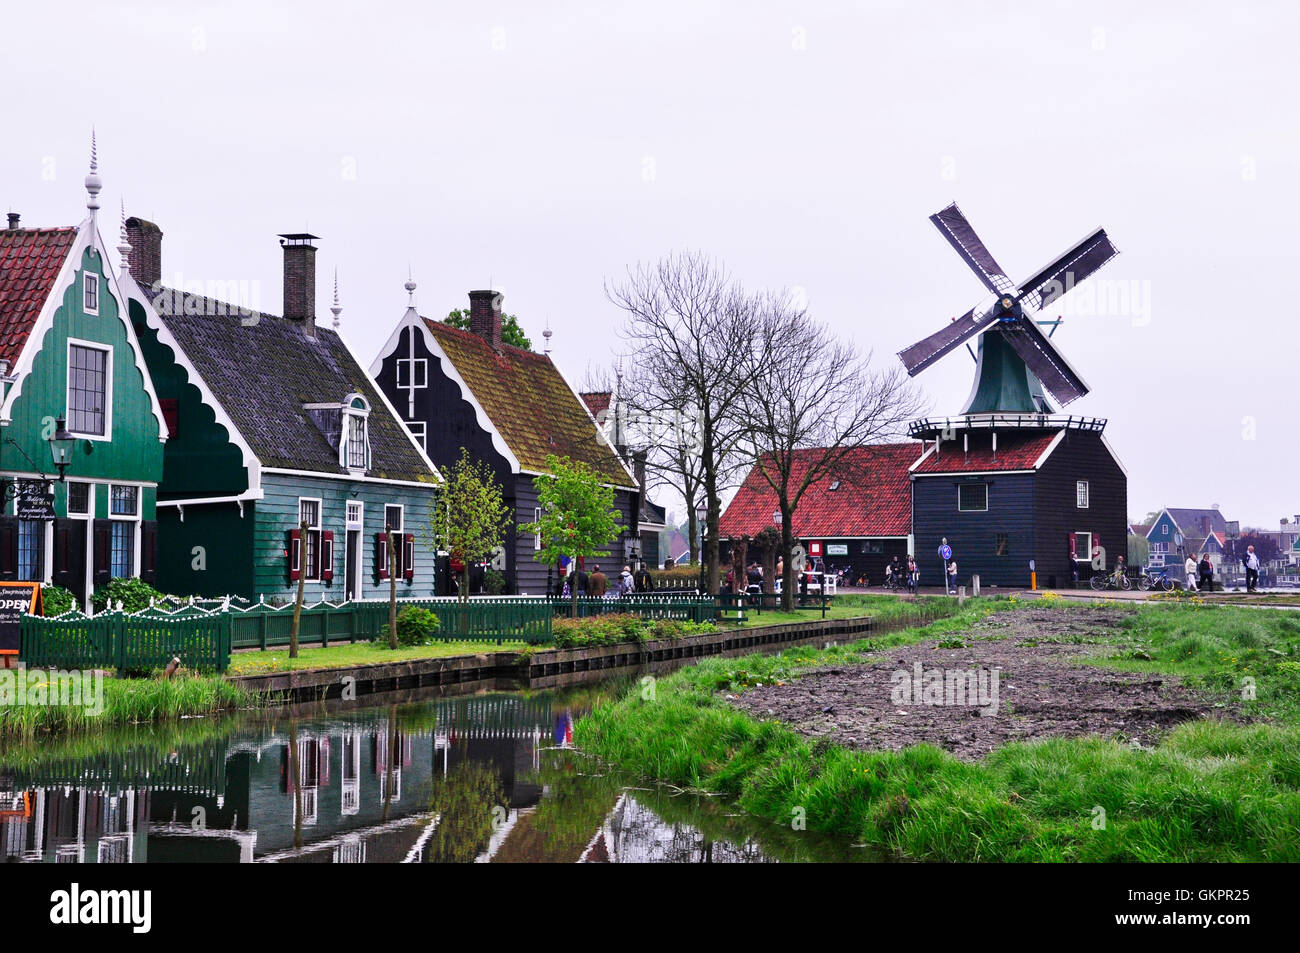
(874, 497)
(1139, 529)
(1190, 521)
(1015, 452)
(264, 373)
(30, 259)
(529, 403)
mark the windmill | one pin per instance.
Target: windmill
(1016, 361)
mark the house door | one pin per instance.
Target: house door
(70, 557)
(354, 564)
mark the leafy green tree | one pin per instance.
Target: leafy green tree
(470, 515)
(511, 332)
(578, 515)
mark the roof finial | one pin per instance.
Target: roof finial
(410, 288)
(124, 245)
(547, 334)
(337, 308)
(93, 182)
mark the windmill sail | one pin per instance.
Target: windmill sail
(929, 349)
(954, 226)
(1045, 361)
(1071, 268)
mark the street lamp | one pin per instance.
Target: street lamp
(61, 444)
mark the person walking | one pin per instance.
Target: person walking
(913, 575)
(950, 584)
(626, 584)
(597, 584)
(643, 580)
(1251, 563)
(1207, 573)
(1189, 567)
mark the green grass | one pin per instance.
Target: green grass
(359, 653)
(884, 609)
(1212, 790)
(126, 701)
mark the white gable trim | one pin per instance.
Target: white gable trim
(86, 237)
(1156, 522)
(600, 431)
(1056, 442)
(250, 460)
(1114, 456)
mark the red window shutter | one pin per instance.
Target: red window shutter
(295, 554)
(171, 415)
(1074, 546)
(408, 557)
(381, 555)
(327, 556)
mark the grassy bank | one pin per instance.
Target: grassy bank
(1212, 790)
(359, 653)
(125, 701)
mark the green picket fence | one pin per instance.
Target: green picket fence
(127, 642)
(687, 607)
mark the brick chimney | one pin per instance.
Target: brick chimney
(485, 316)
(13, 219)
(300, 280)
(146, 251)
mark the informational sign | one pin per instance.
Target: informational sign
(15, 599)
(33, 500)
(945, 551)
(815, 548)
(837, 549)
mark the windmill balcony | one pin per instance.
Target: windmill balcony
(935, 426)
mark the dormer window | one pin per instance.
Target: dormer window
(355, 445)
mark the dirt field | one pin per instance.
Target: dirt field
(1022, 686)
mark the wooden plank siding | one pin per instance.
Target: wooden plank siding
(1080, 456)
(973, 536)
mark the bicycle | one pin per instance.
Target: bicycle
(894, 581)
(1147, 581)
(1102, 581)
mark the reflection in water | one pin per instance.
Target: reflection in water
(489, 778)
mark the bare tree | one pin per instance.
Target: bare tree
(690, 330)
(814, 404)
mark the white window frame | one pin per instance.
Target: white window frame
(537, 537)
(124, 516)
(320, 519)
(972, 509)
(401, 509)
(1082, 555)
(417, 373)
(421, 436)
(349, 420)
(89, 512)
(1164, 529)
(108, 388)
(89, 283)
(136, 518)
(360, 521)
(1081, 493)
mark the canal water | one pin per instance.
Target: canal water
(490, 776)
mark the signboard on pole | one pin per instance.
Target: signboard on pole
(945, 551)
(15, 599)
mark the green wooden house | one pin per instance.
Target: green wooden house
(68, 351)
(272, 423)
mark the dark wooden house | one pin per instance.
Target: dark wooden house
(509, 407)
(1008, 491)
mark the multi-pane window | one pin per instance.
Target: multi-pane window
(122, 557)
(537, 537)
(972, 497)
(412, 373)
(309, 513)
(1083, 546)
(1081, 494)
(420, 432)
(393, 518)
(91, 300)
(30, 535)
(87, 389)
(355, 512)
(123, 500)
(78, 499)
(356, 442)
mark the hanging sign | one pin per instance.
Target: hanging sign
(33, 500)
(15, 599)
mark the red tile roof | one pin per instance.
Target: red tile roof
(30, 259)
(529, 403)
(874, 497)
(1015, 452)
(597, 402)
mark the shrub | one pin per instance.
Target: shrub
(494, 583)
(682, 577)
(615, 627)
(134, 594)
(56, 600)
(415, 626)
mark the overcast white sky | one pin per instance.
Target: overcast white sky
(545, 146)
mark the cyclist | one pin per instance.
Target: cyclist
(1118, 575)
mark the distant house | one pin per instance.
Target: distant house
(273, 423)
(68, 350)
(609, 412)
(856, 518)
(509, 408)
(1180, 532)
